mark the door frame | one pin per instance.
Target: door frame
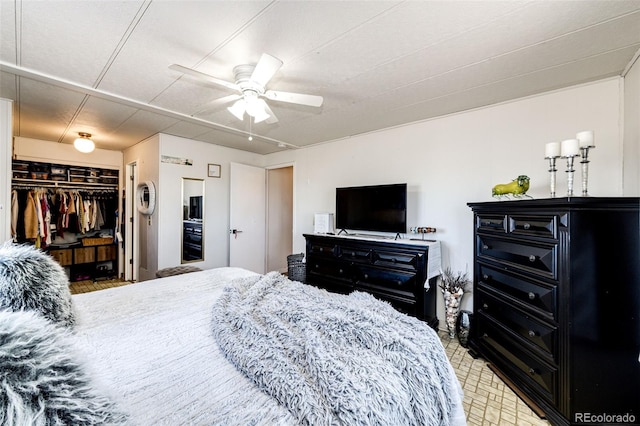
(293, 196)
(131, 231)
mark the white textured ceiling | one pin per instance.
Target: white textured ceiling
(102, 66)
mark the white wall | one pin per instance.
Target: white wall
(62, 153)
(216, 198)
(632, 131)
(452, 160)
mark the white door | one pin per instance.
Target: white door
(247, 217)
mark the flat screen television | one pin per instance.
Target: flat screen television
(381, 208)
(195, 207)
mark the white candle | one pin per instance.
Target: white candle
(570, 148)
(586, 139)
(552, 150)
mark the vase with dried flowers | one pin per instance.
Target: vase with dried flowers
(453, 286)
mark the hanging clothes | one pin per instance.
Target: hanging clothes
(30, 218)
(39, 215)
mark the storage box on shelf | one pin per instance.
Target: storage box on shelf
(31, 172)
(94, 260)
(391, 270)
(556, 302)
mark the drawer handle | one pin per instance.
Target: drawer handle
(341, 271)
(353, 254)
(485, 306)
(532, 333)
(532, 371)
(399, 282)
(366, 276)
(485, 247)
(526, 226)
(532, 258)
(485, 277)
(531, 295)
(393, 259)
(320, 249)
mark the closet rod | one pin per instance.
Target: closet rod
(32, 183)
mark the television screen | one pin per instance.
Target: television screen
(195, 207)
(381, 208)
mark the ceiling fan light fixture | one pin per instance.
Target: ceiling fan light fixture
(238, 109)
(83, 143)
(258, 112)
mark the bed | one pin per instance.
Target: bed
(167, 352)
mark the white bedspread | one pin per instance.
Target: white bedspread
(151, 344)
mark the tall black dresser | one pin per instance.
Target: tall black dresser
(557, 303)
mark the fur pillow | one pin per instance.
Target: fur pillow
(41, 382)
(32, 280)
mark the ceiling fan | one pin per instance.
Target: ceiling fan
(250, 82)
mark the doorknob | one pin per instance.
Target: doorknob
(235, 232)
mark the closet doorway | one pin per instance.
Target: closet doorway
(279, 217)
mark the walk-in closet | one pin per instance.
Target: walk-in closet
(69, 211)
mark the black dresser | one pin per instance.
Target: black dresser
(557, 303)
(393, 270)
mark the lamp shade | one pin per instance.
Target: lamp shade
(237, 109)
(83, 143)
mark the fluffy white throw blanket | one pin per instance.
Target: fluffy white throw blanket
(334, 359)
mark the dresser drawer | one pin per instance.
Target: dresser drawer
(397, 259)
(322, 249)
(330, 269)
(332, 276)
(536, 374)
(354, 254)
(491, 223)
(404, 305)
(537, 258)
(386, 281)
(538, 297)
(532, 225)
(538, 333)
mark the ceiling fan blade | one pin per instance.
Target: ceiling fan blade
(265, 69)
(272, 117)
(215, 104)
(294, 98)
(204, 76)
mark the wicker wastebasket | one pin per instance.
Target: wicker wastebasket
(297, 269)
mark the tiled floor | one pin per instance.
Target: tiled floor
(487, 400)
